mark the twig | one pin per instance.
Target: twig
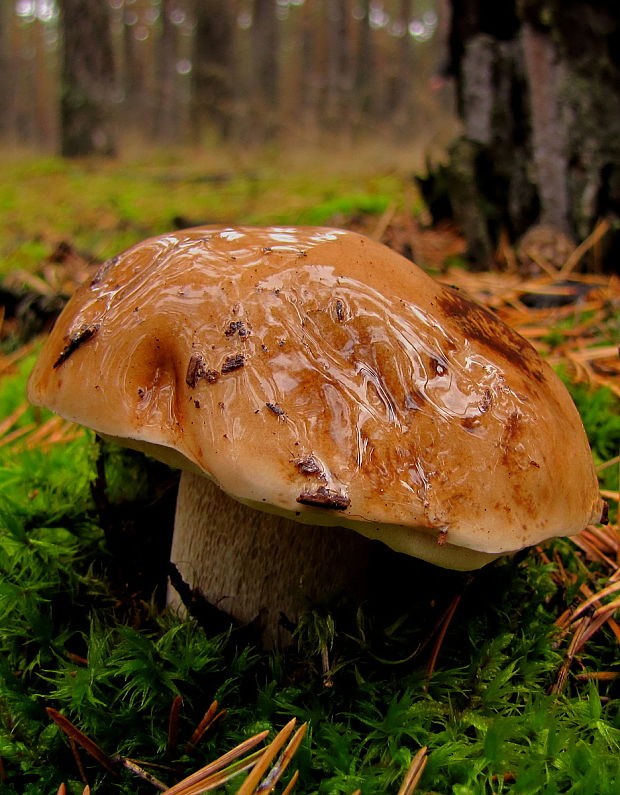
(607, 591)
(9, 421)
(575, 643)
(443, 628)
(289, 787)
(384, 221)
(277, 771)
(597, 234)
(132, 765)
(78, 761)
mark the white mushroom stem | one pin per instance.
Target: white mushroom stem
(253, 565)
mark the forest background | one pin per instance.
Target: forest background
(176, 71)
(123, 119)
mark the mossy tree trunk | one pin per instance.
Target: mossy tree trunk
(538, 90)
(87, 79)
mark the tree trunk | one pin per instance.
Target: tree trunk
(365, 67)
(339, 83)
(538, 86)
(212, 82)
(402, 105)
(133, 74)
(167, 119)
(6, 94)
(309, 73)
(265, 63)
(87, 79)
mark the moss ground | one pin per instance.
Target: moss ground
(508, 702)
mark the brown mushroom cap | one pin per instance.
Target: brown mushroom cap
(317, 374)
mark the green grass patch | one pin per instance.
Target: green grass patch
(105, 207)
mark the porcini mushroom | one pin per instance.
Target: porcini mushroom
(314, 376)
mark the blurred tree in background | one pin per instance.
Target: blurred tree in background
(536, 84)
(214, 69)
(83, 76)
(87, 79)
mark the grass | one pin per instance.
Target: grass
(103, 208)
(83, 547)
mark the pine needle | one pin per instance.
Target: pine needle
(223, 765)
(251, 783)
(73, 733)
(414, 774)
(208, 720)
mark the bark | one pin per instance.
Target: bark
(133, 75)
(212, 82)
(6, 97)
(167, 120)
(265, 65)
(365, 67)
(87, 79)
(402, 92)
(538, 87)
(309, 74)
(339, 73)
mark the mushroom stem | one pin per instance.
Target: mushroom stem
(253, 565)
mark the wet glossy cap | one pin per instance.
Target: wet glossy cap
(317, 374)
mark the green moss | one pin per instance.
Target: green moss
(82, 628)
(106, 207)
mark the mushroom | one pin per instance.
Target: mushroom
(316, 388)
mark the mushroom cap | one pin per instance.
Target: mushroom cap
(317, 374)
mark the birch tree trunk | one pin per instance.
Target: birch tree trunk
(538, 87)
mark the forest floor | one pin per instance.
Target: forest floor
(505, 681)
